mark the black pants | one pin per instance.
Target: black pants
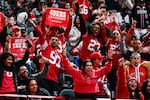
(51, 86)
(88, 96)
(112, 80)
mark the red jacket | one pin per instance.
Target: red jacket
(129, 36)
(85, 83)
(142, 73)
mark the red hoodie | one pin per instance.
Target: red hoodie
(85, 83)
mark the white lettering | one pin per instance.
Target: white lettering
(60, 15)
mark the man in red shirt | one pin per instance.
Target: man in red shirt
(53, 57)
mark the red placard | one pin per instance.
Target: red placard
(2, 21)
(57, 17)
(18, 47)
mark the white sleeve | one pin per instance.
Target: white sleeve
(129, 4)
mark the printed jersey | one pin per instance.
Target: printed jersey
(90, 44)
(111, 21)
(115, 47)
(84, 8)
(55, 63)
(102, 81)
(8, 85)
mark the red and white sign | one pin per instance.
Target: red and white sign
(57, 17)
(18, 47)
(111, 22)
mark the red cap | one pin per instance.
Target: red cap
(15, 28)
(131, 78)
(96, 55)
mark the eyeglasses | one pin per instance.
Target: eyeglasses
(101, 2)
(96, 28)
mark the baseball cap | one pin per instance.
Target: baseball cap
(23, 29)
(141, 1)
(116, 31)
(42, 2)
(96, 55)
(15, 28)
(131, 78)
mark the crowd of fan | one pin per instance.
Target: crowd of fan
(104, 51)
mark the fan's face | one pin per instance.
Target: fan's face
(132, 84)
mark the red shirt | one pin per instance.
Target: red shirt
(101, 81)
(84, 8)
(8, 85)
(115, 46)
(90, 44)
(55, 63)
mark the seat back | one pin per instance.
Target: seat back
(44, 91)
(67, 92)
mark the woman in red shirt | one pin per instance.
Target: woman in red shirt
(85, 80)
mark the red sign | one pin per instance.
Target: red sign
(18, 47)
(2, 21)
(57, 17)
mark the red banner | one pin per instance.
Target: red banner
(2, 21)
(57, 17)
(18, 47)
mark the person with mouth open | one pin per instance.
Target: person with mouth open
(127, 88)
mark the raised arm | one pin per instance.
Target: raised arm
(66, 33)
(37, 30)
(69, 67)
(23, 60)
(121, 82)
(130, 34)
(107, 68)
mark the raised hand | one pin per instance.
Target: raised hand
(121, 62)
(110, 54)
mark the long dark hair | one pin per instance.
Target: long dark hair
(136, 92)
(82, 27)
(4, 56)
(84, 62)
(144, 91)
(27, 86)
